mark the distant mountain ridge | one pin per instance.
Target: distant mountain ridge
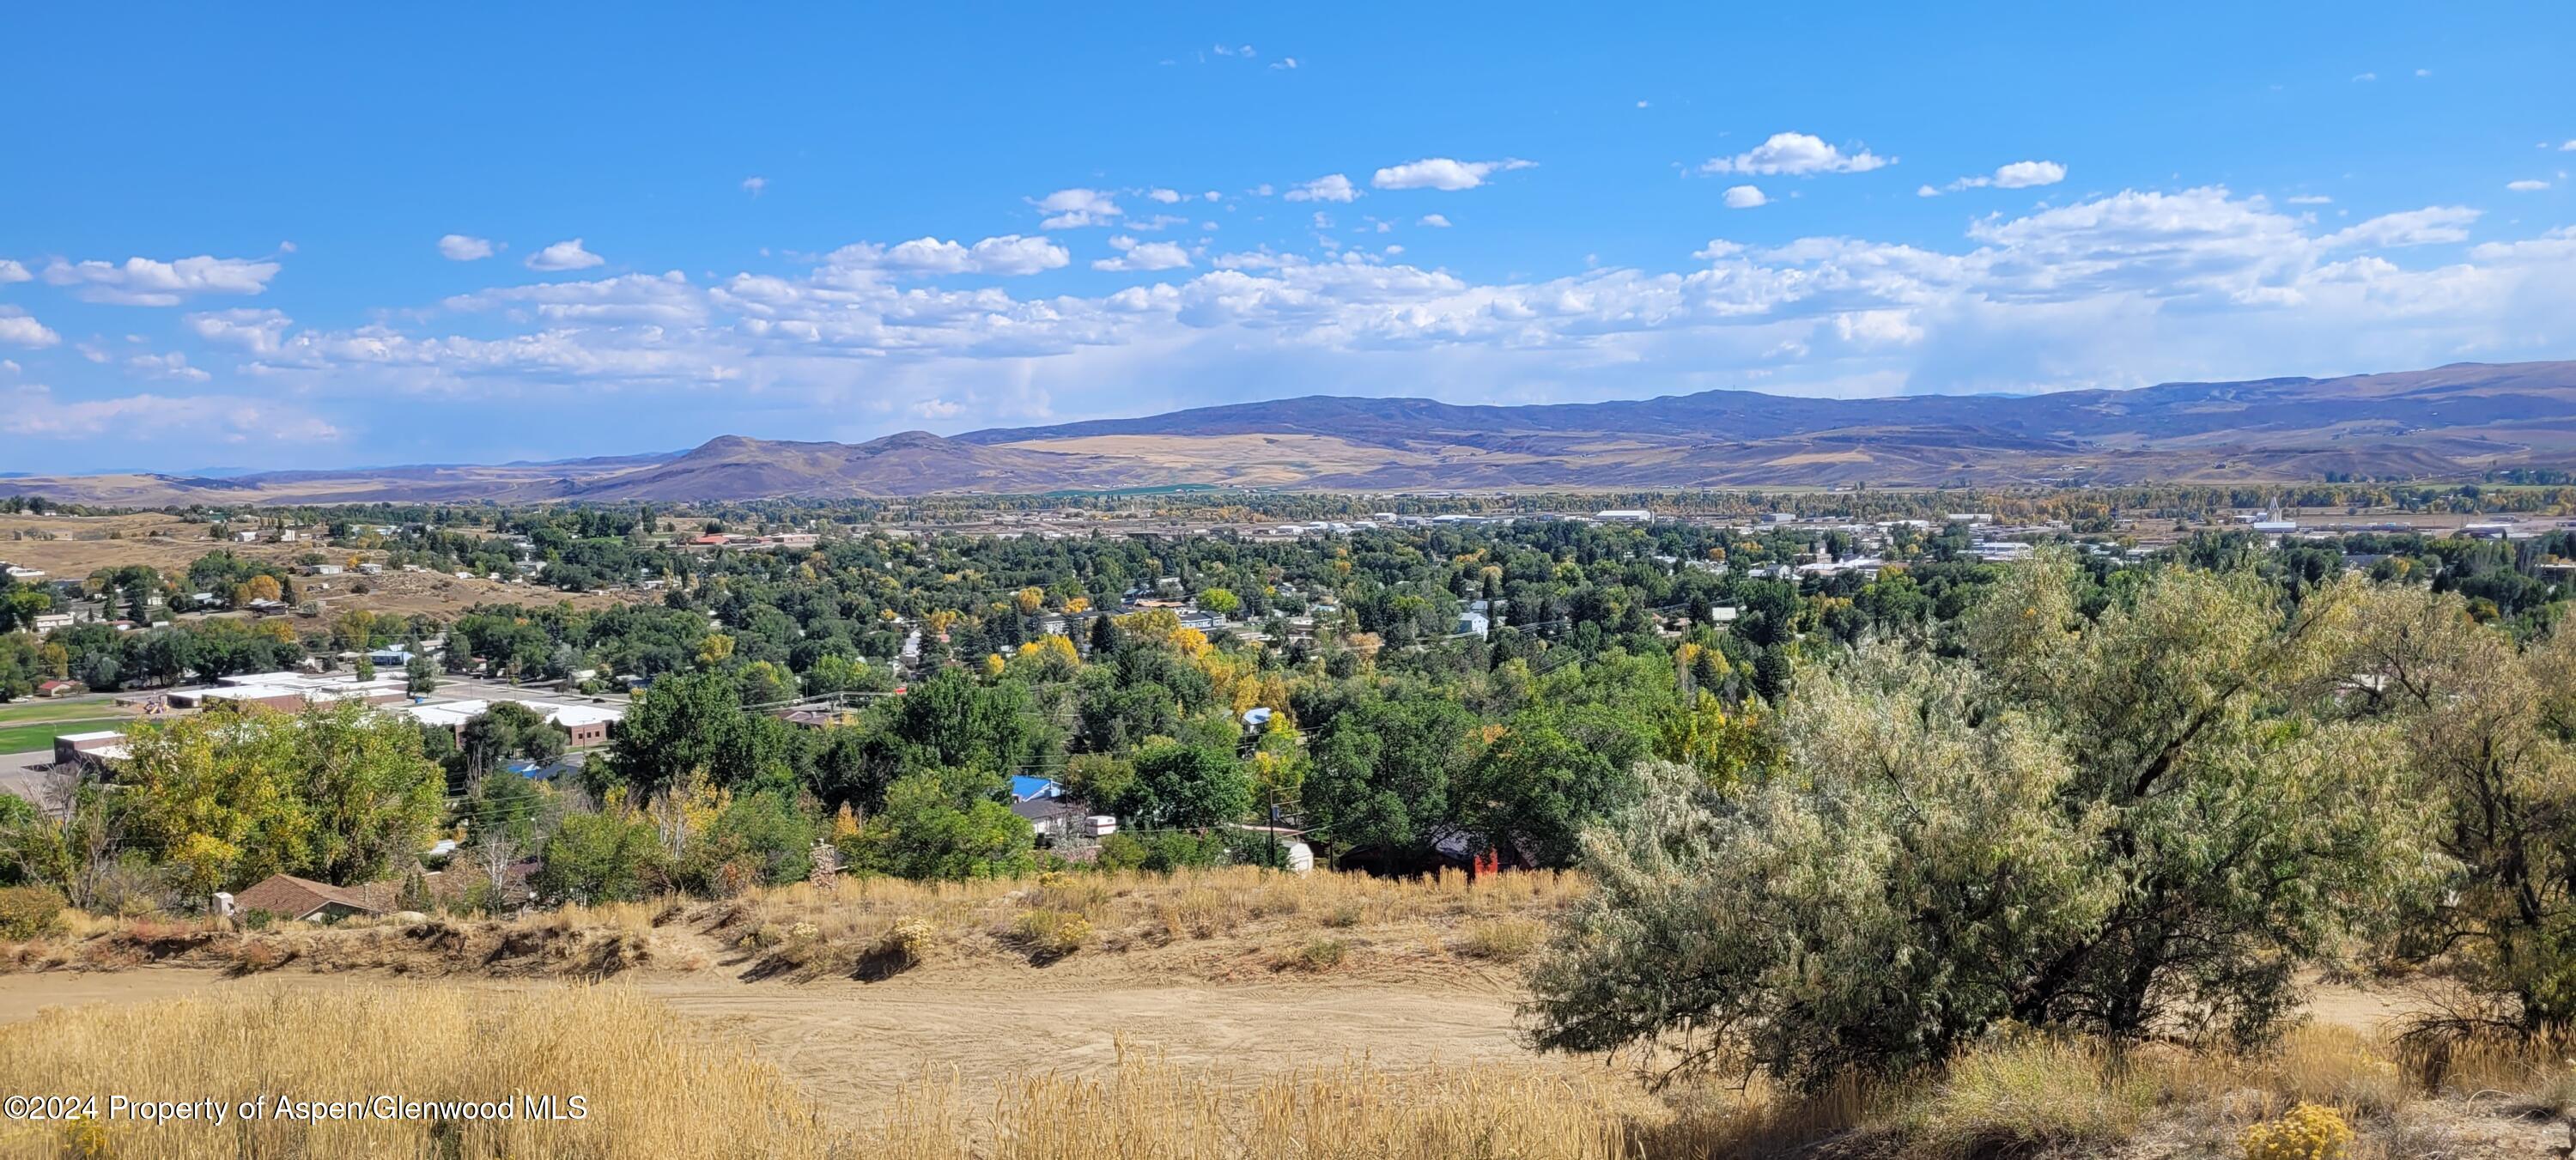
(2448, 422)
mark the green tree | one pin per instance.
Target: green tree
(337, 793)
(1382, 770)
(2094, 824)
(420, 678)
(1553, 772)
(2491, 731)
(944, 824)
(607, 857)
(1186, 787)
(689, 722)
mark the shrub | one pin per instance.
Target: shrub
(2306, 1132)
(1052, 934)
(2030, 1094)
(1505, 940)
(29, 911)
(907, 942)
(1318, 955)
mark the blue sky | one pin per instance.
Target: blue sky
(338, 235)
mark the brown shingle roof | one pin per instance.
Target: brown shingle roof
(293, 897)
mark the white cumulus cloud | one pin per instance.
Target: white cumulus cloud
(1745, 197)
(1330, 187)
(1074, 208)
(2527, 185)
(564, 255)
(464, 248)
(1135, 255)
(12, 272)
(2025, 174)
(17, 328)
(1008, 255)
(1433, 220)
(256, 331)
(1443, 173)
(1796, 154)
(146, 282)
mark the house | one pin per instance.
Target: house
(1056, 817)
(17, 573)
(60, 688)
(88, 748)
(45, 622)
(304, 900)
(1625, 516)
(1025, 788)
(586, 725)
(1472, 623)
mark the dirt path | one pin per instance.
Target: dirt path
(851, 1044)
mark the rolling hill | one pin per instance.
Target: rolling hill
(2449, 422)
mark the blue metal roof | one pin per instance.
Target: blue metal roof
(1024, 787)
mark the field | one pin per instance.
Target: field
(30, 727)
(1195, 1018)
(71, 547)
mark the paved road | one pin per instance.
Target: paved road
(25, 774)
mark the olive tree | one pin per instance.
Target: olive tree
(2141, 821)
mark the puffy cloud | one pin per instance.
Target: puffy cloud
(256, 331)
(564, 255)
(39, 413)
(12, 272)
(2527, 185)
(629, 299)
(1442, 173)
(1074, 208)
(17, 328)
(464, 248)
(145, 282)
(755, 185)
(1165, 196)
(2110, 291)
(1330, 187)
(1135, 255)
(2025, 174)
(2309, 199)
(2018, 175)
(2430, 226)
(1745, 197)
(1433, 220)
(173, 365)
(1796, 154)
(1008, 255)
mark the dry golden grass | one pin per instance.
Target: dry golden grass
(1504, 915)
(653, 1085)
(1147, 1109)
(586, 942)
(656, 1085)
